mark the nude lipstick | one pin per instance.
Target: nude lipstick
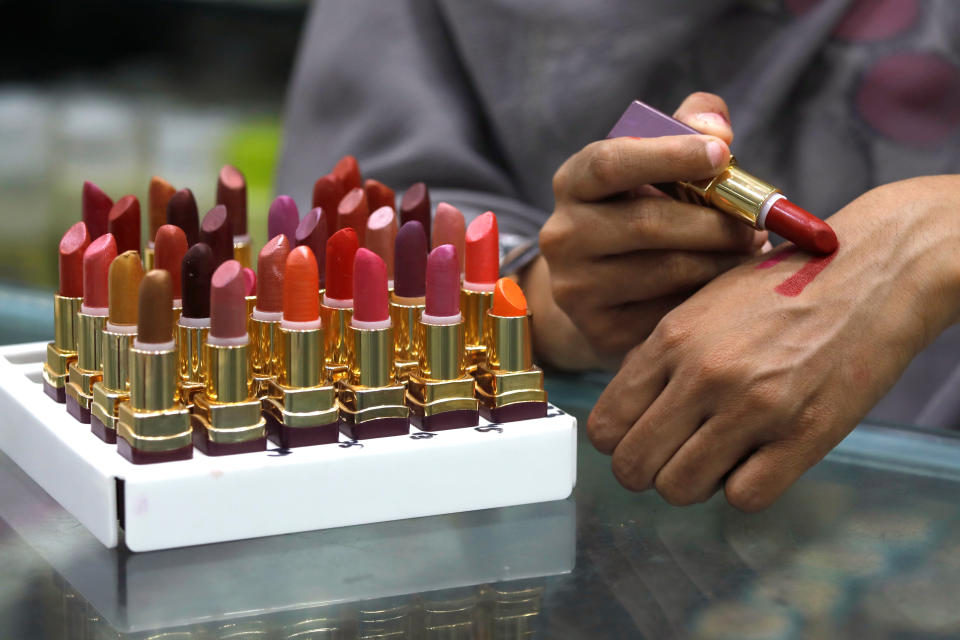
(312, 233)
(95, 207)
(153, 426)
(301, 406)
(170, 247)
(379, 195)
(283, 217)
(371, 401)
(196, 271)
(482, 263)
(268, 311)
(62, 352)
(382, 236)
(734, 191)
(232, 194)
(449, 228)
(182, 212)
(158, 197)
(440, 392)
(509, 386)
(337, 307)
(226, 416)
(352, 212)
(415, 205)
(125, 274)
(328, 191)
(407, 299)
(124, 224)
(215, 232)
(91, 319)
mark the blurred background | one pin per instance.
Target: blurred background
(130, 90)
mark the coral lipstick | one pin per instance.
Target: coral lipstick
(371, 402)
(734, 191)
(215, 232)
(158, 197)
(91, 319)
(312, 233)
(509, 386)
(268, 311)
(482, 264)
(415, 205)
(196, 271)
(337, 307)
(124, 223)
(283, 217)
(407, 300)
(182, 212)
(126, 273)
(348, 172)
(232, 194)
(382, 236)
(62, 352)
(352, 212)
(153, 426)
(301, 406)
(379, 195)
(449, 228)
(226, 416)
(95, 207)
(440, 391)
(328, 191)
(170, 247)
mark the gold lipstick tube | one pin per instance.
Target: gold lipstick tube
(264, 352)
(733, 191)
(474, 306)
(153, 426)
(226, 416)
(371, 402)
(62, 352)
(301, 409)
(337, 341)
(405, 314)
(148, 256)
(191, 341)
(440, 391)
(113, 388)
(509, 386)
(241, 250)
(87, 369)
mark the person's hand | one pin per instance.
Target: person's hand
(746, 386)
(620, 254)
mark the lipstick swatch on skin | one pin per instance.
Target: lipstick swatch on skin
(508, 299)
(341, 249)
(228, 309)
(283, 217)
(410, 254)
(95, 208)
(96, 269)
(415, 205)
(482, 250)
(443, 282)
(382, 236)
(70, 260)
(777, 257)
(379, 195)
(158, 197)
(195, 273)
(182, 212)
(232, 194)
(271, 264)
(154, 317)
(124, 223)
(312, 233)
(371, 300)
(348, 171)
(169, 249)
(352, 212)
(301, 281)
(215, 232)
(795, 284)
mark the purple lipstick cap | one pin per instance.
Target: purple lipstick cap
(410, 261)
(283, 218)
(640, 120)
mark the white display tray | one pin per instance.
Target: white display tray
(215, 499)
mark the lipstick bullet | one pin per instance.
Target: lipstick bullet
(449, 228)
(215, 232)
(232, 194)
(440, 392)
(95, 207)
(328, 191)
(312, 233)
(158, 197)
(283, 217)
(62, 352)
(381, 237)
(301, 407)
(124, 224)
(226, 415)
(407, 299)
(193, 327)
(482, 261)
(337, 307)
(126, 272)
(509, 386)
(352, 212)
(348, 171)
(153, 426)
(371, 401)
(182, 212)
(267, 312)
(379, 195)
(91, 319)
(170, 247)
(415, 205)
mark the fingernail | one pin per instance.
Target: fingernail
(717, 154)
(712, 119)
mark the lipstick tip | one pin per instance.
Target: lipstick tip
(72, 246)
(341, 249)
(301, 285)
(371, 299)
(196, 270)
(124, 223)
(443, 282)
(155, 306)
(410, 256)
(249, 281)
(96, 269)
(271, 264)
(508, 299)
(228, 309)
(126, 272)
(482, 250)
(283, 217)
(800, 227)
(168, 250)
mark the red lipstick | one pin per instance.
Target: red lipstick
(328, 191)
(124, 223)
(352, 212)
(312, 233)
(407, 300)
(232, 194)
(415, 205)
(379, 195)
(482, 258)
(96, 207)
(62, 352)
(182, 212)
(348, 172)
(337, 307)
(215, 232)
(800, 227)
(449, 228)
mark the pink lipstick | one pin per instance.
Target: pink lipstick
(283, 217)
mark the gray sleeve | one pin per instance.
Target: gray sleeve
(384, 81)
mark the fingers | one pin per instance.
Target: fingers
(609, 167)
(765, 475)
(708, 114)
(613, 331)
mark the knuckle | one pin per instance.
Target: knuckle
(566, 293)
(765, 397)
(746, 498)
(628, 474)
(553, 235)
(676, 490)
(600, 431)
(603, 164)
(671, 334)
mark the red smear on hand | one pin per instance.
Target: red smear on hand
(795, 284)
(777, 258)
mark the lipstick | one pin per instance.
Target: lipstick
(124, 223)
(226, 415)
(312, 233)
(482, 262)
(352, 212)
(283, 217)
(348, 173)
(371, 402)
(232, 194)
(95, 207)
(733, 191)
(440, 391)
(337, 307)
(301, 406)
(250, 289)
(158, 197)
(125, 274)
(407, 299)
(62, 352)
(509, 386)
(195, 273)
(415, 205)
(170, 247)
(328, 191)
(153, 426)
(379, 195)
(268, 311)
(382, 236)
(215, 232)
(182, 212)
(91, 319)
(449, 228)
